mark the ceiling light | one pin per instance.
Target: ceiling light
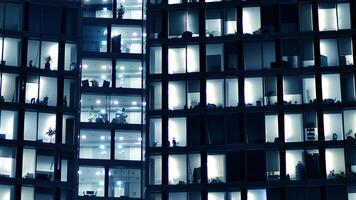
(102, 146)
(122, 68)
(98, 101)
(102, 137)
(134, 103)
(121, 138)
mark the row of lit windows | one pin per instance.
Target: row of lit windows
(104, 9)
(261, 193)
(123, 39)
(255, 20)
(114, 109)
(99, 73)
(256, 55)
(7, 192)
(210, 1)
(39, 90)
(123, 182)
(261, 165)
(40, 127)
(258, 128)
(258, 91)
(36, 164)
(96, 144)
(40, 54)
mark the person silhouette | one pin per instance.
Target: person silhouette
(174, 142)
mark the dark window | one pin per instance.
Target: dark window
(295, 193)
(71, 21)
(289, 18)
(256, 166)
(233, 129)
(193, 130)
(255, 127)
(44, 19)
(51, 20)
(214, 129)
(235, 166)
(13, 17)
(35, 18)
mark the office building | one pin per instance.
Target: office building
(71, 100)
(39, 99)
(111, 114)
(251, 100)
(246, 99)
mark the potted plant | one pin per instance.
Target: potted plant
(94, 83)
(48, 60)
(210, 33)
(92, 114)
(51, 133)
(120, 11)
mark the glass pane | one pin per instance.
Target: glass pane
(91, 181)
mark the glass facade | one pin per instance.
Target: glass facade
(112, 100)
(224, 100)
(39, 78)
(250, 100)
